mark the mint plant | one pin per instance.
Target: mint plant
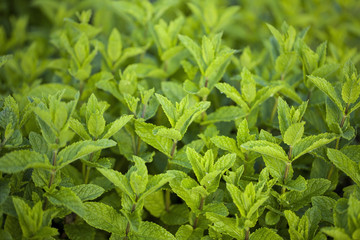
(179, 120)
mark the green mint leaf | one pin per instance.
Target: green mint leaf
(243, 133)
(217, 68)
(79, 129)
(162, 35)
(306, 226)
(173, 91)
(345, 164)
(131, 102)
(104, 217)
(168, 107)
(277, 168)
(155, 182)
(139, 176)
(351, 90)
(352, 152)
(80, 149)
(79, 231)
(226, 225)
(82, 48)
(65, 197)
(242, 204)
(155, 204)
(266, 148)
(283, 116)
(311, 143)
(196, 163)
(248, 85)
(264, 233)
(233, 94)
(227, 144)
(211, 181)
(116, 125)
(224, 114)
(111, 87)
(30, 219)
(208, 51)
(194, 50)
(328, 89)
(150, 230)
(353, 108)
(145, 132)
(297, 200)
(17, 161)
(285, 62)
(333, 116)
(278, 36)
(119, 180)
(272, 218)
(114, 45)
(184, 232)
(38, 143)
(189, 115)
(218, 208)
(326, 206)
(264, 94)
(265, 135)
(96, 124)
(299, 184)
(294, 133)
(336, 233)
(87, 192)
(167, 133)
(184, 187)
(225, 162)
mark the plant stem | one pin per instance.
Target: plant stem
(290, 153)
(288, 164)
(86, 169)
(128, 224)
(167, 192)
(273, 112)
(53, 172)
(247, 234)
(143, 111)
(332, 168)
(202, 200)
(173, 148)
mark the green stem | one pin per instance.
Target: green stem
(167, 192)
(273, 112)
(127, 231)
(332, 168)
(143, 111)
(290, 153)
(173, 148)
(53, 172)
(201, 206)
(247, 234)
(86, 169)
(288, 164)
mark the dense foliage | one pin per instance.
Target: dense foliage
(179, 119)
